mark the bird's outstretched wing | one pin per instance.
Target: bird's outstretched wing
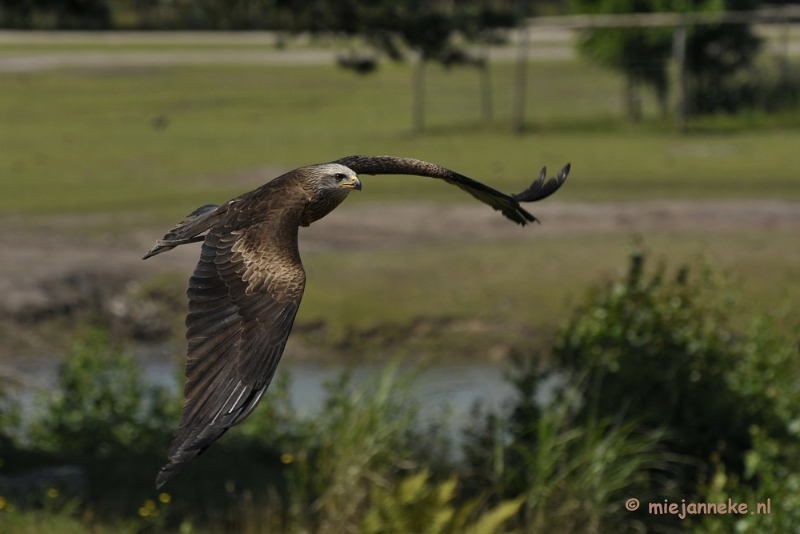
(507, 204)
(243, 298)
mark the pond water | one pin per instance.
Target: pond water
(440, 388)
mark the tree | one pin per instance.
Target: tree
(714, 53)
(640, 53)
(17, 13)
(68, 14)
(423, 27)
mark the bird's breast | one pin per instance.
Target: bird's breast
(321, 205)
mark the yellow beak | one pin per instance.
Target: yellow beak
(352, 183)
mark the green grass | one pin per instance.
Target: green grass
(536, 283)
(49, 522)
(83, 141)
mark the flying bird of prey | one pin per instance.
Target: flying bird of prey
(245, 291)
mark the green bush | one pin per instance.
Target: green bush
(664, 351)
(771, 478)
(10, 421)
(101, 404)
(648, 390)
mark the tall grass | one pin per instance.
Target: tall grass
(362, 437)
(573, 476)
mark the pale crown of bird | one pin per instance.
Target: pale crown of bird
(336, 176)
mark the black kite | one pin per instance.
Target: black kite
(245, 291)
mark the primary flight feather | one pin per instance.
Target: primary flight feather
(246, 288)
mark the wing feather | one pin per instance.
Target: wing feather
(539, 189)
(243, 298)
(507, 204)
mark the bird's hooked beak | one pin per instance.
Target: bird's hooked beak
(351, 183)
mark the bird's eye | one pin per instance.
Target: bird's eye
(339, 176)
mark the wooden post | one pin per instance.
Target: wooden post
(418, 95)
(520, 78)
(679, 53)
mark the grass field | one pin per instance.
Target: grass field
(157, 142)
(535, 283)
(163, 140)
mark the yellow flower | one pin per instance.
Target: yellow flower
(287, 458)
(52, 493)
(164, 497)
(144, 512)
(151, 505)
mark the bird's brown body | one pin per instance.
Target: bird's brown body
(246, 288)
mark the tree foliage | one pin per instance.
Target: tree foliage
(714, 54)
(642, 54)
(66, 14)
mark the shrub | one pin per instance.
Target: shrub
(772, 477)
(101, 404)
(664, 352)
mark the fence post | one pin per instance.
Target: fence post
(518, 110)
(679, 53)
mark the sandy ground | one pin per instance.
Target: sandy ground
(27, 61)
(53, 248)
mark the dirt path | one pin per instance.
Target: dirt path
(30, 257)
(26, 61)
(546, 44)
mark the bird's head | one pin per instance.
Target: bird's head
(336, 177)
(327, 186)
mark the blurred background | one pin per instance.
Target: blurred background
(448, 371)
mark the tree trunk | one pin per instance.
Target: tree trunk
(486, 91)
(633, 98)
(520, 77)
(679, 53)
(418, 95)
(663, 102)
